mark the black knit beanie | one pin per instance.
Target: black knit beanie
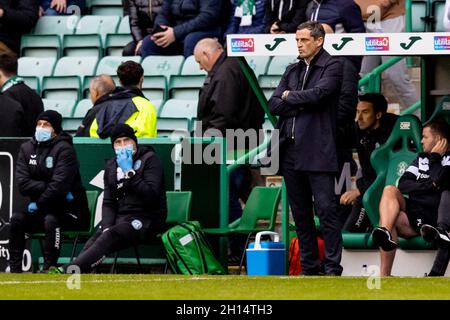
(54, 118)
(122, 130)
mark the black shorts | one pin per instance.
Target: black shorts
(419, 214)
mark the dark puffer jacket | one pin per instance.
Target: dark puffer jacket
(46, 172)
(143, 196)
(142, 17)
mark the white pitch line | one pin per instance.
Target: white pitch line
(112, 281)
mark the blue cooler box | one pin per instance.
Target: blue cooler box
(267, 257)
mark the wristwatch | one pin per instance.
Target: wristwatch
(130, 174)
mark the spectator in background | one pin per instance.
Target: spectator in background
(119, 105)
(247, 16)
(388, 16)
(284, 16)
(52, 182)
(343, 16)
(16, 18)
(142, 17)
(181, 24)
(100, 89)
(61, 7)
(374, 128)
(14, 87)
(11, 117)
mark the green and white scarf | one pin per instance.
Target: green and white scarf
(11, 82)
(245, 9)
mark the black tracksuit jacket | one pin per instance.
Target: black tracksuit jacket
(142, 196)
(46, 172)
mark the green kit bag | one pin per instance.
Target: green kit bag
(188, 251)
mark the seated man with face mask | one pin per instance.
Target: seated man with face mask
(47, 172)
(134, 203)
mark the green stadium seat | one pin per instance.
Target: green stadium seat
(82, 45)
(268, 84)
(40, 46)
(64, 107)
(261, 207)
(169, 126)
(71, 124)
(106, 7)
(419, 12)
(177, 108)
(185, 86)
(60, 25)
(158, 104)
(82, 108)
(124, 26)
(108, 65)
(75, 66)
(33, 83)
(390, 161)
(154, 87)
(258, 64)
(99, 25)
(162, 65)
(442, 109)
(176, 115)
(278, 64)
(355, 240)
(62, 87)
(191, 67)
(115, 43)
(34, 69)
(438, 14)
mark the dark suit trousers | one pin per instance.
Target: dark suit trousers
(301, 187)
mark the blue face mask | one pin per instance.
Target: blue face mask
(128, 150)
(43, 134)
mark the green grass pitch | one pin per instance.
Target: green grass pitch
(176, 287)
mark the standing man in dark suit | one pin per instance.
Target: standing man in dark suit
(306, 101)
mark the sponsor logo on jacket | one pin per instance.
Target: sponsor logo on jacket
(33, 160)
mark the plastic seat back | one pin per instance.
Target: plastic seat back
(261, 206)
(391, 160)
(178, 206)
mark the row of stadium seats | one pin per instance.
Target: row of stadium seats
(55, 36)
(152, 65)
(164, 76)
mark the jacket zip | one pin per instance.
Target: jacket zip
(303, 86)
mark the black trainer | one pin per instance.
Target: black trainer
(430, 233)
(382, 239)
